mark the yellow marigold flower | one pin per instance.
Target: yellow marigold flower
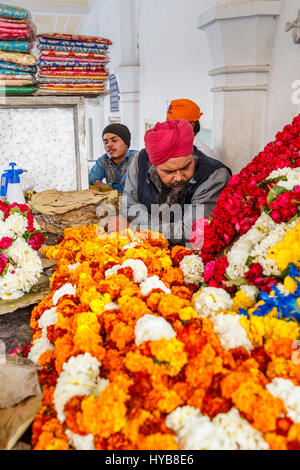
(260, 330)
(86, 340)
(170, 353)
(88, 319)
(158, 441)
(241, 300)
(290, 284)
(98, 304)
(187, 313)
(278, 367)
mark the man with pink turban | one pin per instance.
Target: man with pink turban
(167, 186)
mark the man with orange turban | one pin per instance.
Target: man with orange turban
(168, 187)
(190, 111)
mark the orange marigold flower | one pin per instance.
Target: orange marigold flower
(52, 437)
(277, 367)
(106, 415)
(172, 276)
(275, 441)
(183, 292)
(158, 441)
(132, 427)
(282, 347)
(196, 399)
(122, 334)
(171, 304)
(64, 347)
(260, 404)
(46, 358)
(72, 409)
(201, 369)
(132, 308)
(87, 341)
(294, 433)
(178, 253)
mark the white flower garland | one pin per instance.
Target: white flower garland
(25, 272)
(227, 431)
(152, 328)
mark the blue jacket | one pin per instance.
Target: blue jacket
(115, 175)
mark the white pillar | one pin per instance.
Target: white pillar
(240, 37)
(128, 72)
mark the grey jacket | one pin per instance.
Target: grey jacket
(178, 232)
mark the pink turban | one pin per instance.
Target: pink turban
(169, 139)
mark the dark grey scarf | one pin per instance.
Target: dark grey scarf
(166, 195)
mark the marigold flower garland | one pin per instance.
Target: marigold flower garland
(131, 355)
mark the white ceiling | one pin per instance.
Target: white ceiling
(61, 16)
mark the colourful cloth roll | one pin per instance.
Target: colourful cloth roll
(72, 46)
(14, 46)
(18, 58)
(13, 12)
(17, 90)
(71, 54)
(76, 37)
(72, 87)
(73, 59)
(12, 25)
(16, 68)
(11, 75)
(71, 81)
(67, 63)
(82, 75)
(16, 82)
(80, 69)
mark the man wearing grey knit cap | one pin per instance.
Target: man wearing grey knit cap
(113, 165)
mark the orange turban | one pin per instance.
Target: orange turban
(184, 109)
(169, 139)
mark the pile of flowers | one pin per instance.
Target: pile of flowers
(135, 352)
(241, 202)
(254, 212)
(20, 239)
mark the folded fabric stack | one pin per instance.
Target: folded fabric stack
(72, 64)
(17, 65)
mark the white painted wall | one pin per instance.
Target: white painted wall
(284, 71)
(174, 58)
(173, 54)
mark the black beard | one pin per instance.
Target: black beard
(166, 195)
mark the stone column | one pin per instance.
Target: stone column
(240, 35)
(128, 72)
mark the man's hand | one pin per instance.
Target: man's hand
(99, 184)
(117, 224)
